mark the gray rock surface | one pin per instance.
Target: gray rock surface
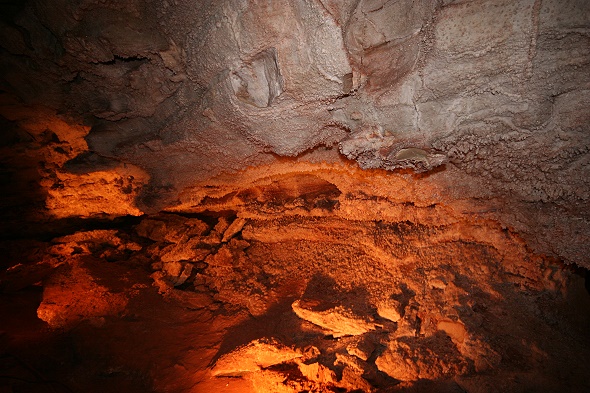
(491, 96)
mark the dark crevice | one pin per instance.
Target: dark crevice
(123, 59)
(61, 227)
(209, 217)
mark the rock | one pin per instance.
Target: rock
(455, 330)
(389, 309)
(152, 229)
(253, 357)
(171, 228)
(437, 284)
(212, 239)
(222, 225)
(496, 89)
(353, 372)
(421, 358)
(233, 229)
(161, 282)
(317, 373)
(397, 362)
(362, 348)
(356, 115)
(177, 272)
(190, 300)
(71, 296)
(337, 321)
(190, 250)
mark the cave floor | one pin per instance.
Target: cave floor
(291, 284)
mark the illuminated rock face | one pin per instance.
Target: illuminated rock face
(288, 278)
(493, 94)
(298, 195)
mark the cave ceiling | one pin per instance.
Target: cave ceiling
(488, 100)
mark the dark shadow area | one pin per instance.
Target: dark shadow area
(22, 200)
(22, 337)
(88, 162)
(279, 322)
(47, 229)
(427, 386)
(323, 293)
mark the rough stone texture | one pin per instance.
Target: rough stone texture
(336, 280)
(337, 321)
(491, 97)
(341, 195)
(255, 356)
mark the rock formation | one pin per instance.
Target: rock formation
(318, 195)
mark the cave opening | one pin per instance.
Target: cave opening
(294, 196)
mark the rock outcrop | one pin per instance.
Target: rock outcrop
(492, 94)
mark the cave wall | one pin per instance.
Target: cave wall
(486, 99)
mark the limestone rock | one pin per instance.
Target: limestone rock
(337, 321)
(490, 97)
(177, 272)
(253, 357)
(71, 296)
(317, 373)
(235, 227)
(389, 309)
(415, 359)
(455, 330)
(171, 228)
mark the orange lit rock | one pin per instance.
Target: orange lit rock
(455, 330)
(401, 186)
(257, 355)
(317, 373)
(398, 364)
(338, 321)
(389, 309)
(353, 372)
(235, 227)
(104, 192)
(72, 296)
(410, 360)
(171, 228)
(99, 187)
(361, 348)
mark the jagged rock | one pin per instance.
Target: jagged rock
(415, 359)
(337, 321)
(317, 373)
(171, 228)
(389, 309)
(455, 330)
(188, 250)
(428, 86)
(235, 227)
(362, 348)
(177, 272)
(256, 355)
(353, 372)
(71, 295)
(102, 243)
(468, 124)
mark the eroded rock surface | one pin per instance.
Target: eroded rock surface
(295, 195)
(493, 94)
(316, 287)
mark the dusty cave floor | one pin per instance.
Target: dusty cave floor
(290, 286)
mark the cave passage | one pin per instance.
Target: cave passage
(294, 196)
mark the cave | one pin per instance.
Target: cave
(295, 196)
